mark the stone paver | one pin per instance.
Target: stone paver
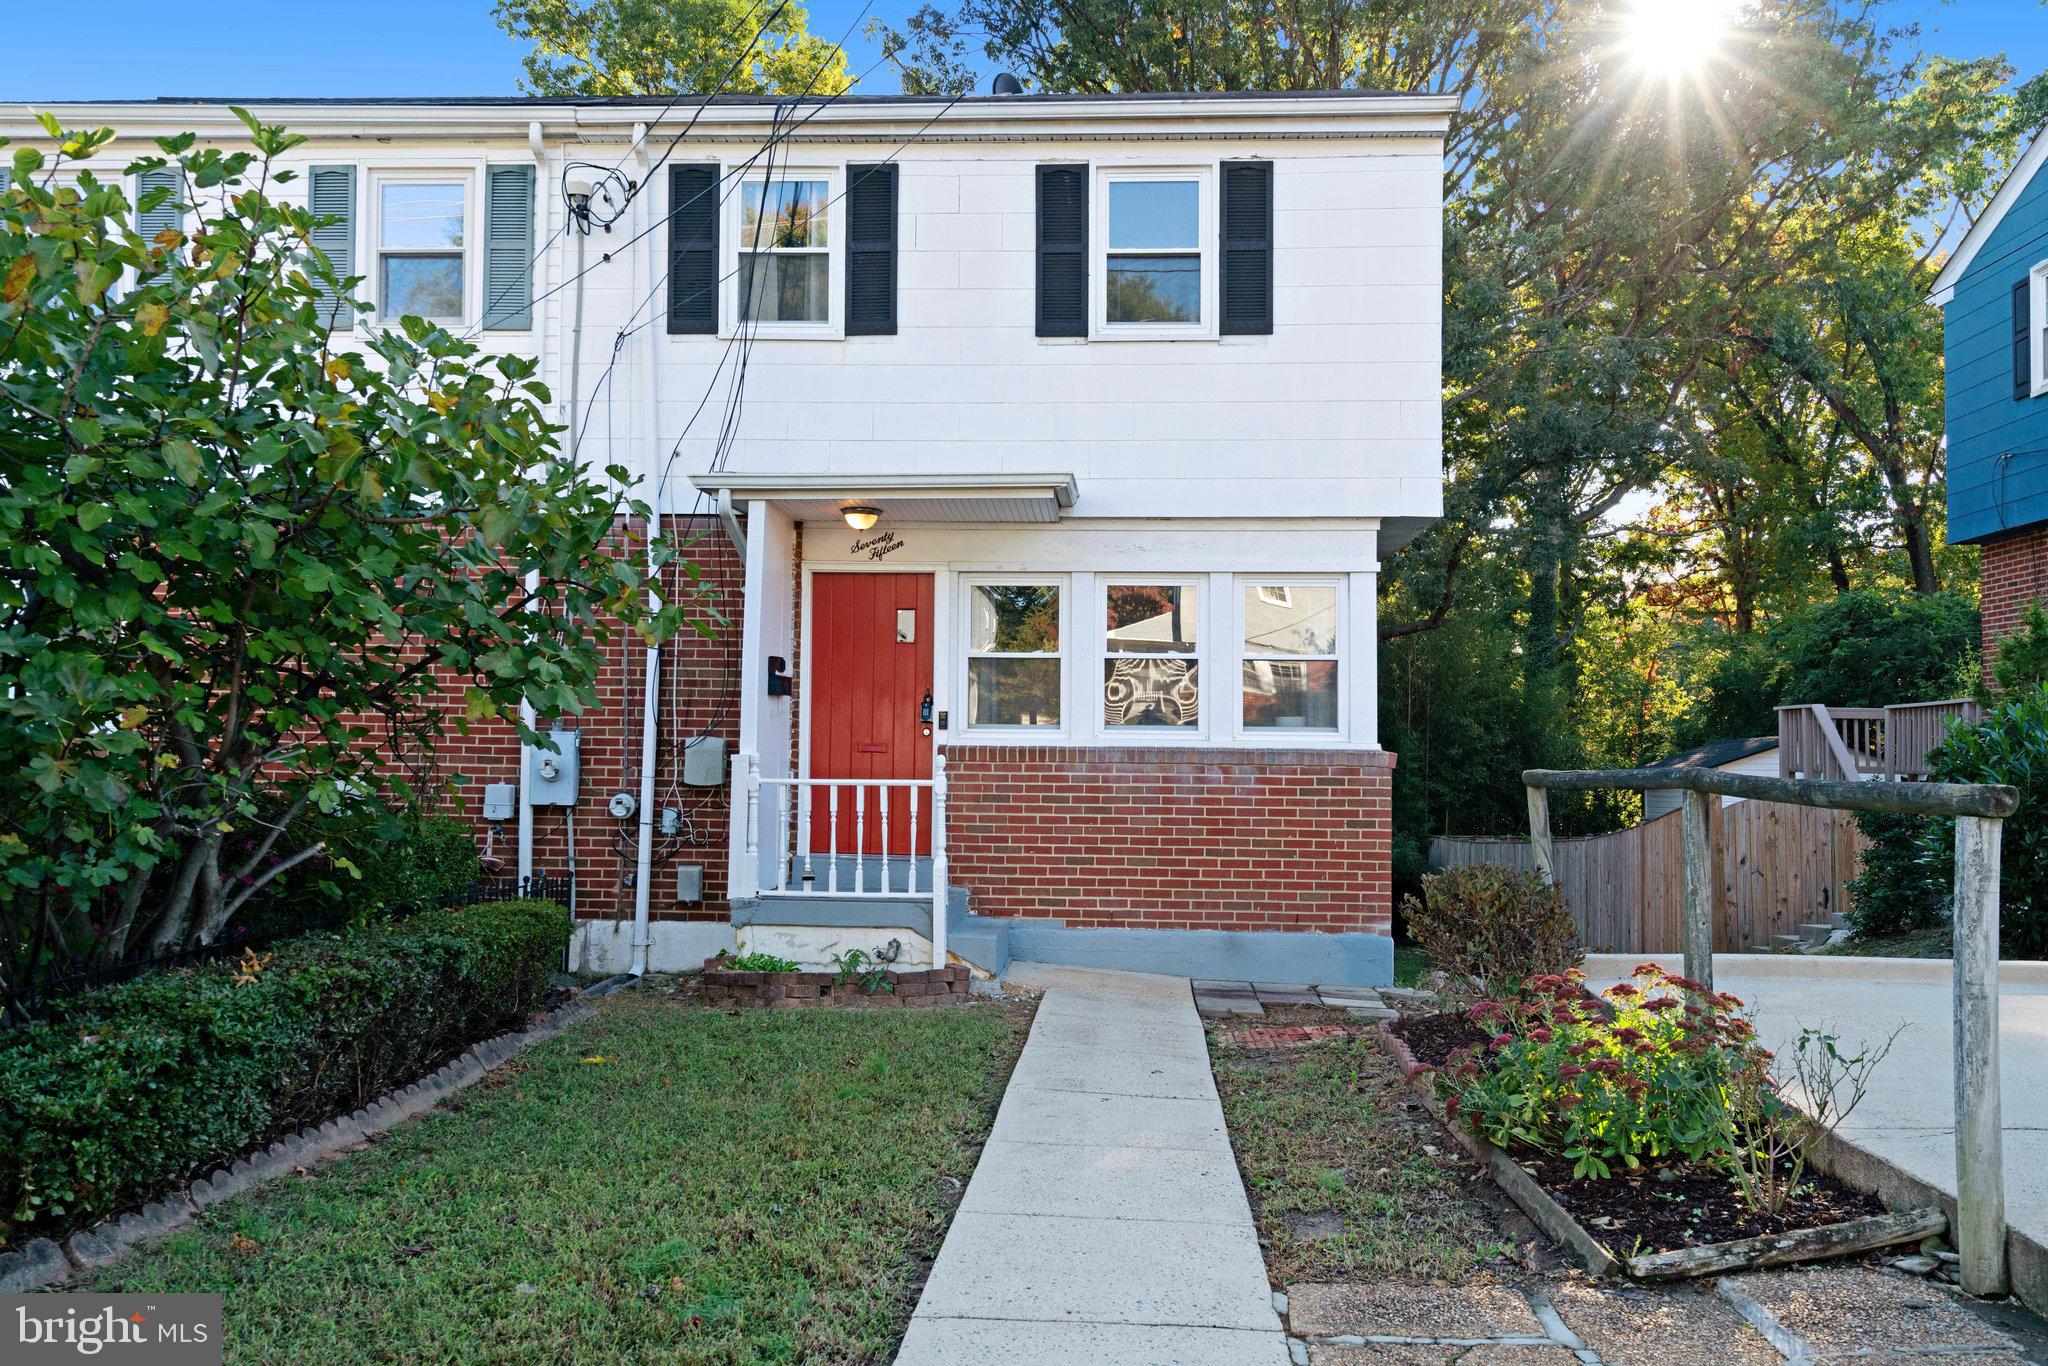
(1106, 1221)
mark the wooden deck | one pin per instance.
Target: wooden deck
(1851, 743)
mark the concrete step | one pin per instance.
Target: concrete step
(1815, 933)
(981, 940)
(1781, 943)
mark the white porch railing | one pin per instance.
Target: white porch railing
(838, 837)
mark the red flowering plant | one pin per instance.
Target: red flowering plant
(1642, 1077)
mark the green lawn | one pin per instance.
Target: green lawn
(659, 1183)
(1346, 1181)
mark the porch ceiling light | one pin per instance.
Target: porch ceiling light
(860, 516)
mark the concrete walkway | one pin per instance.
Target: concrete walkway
(1106, 1221)
(1908, 1117)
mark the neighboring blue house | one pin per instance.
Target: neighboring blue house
(1994, 299)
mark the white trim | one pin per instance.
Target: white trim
(2037, 329)
(1104, 175)
(1944, 288)
(734, 243)
(370, 230)
(1241, 654)
(749, 487)
(960, 665)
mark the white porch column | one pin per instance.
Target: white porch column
(766, 627)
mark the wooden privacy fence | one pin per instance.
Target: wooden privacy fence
(1775, 867)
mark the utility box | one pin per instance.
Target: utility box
(704, 761)
(689, 882)
(551, 777)
(500, 801)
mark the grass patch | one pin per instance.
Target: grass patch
(1411, 965)
(659, 1183)
(1935, 943)
(1340, 1168)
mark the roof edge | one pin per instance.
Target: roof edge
(2021, 176)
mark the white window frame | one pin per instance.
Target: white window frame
(1204, 588)
(1100, 328)
(966, 654)
(734, 244)
(1240, 655)
(2037, 328)
(372, 235)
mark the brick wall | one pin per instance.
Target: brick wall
(2012, 571)
(699, 686)
(1173, 838)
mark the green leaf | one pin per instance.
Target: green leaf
(183, 458)
(93, 516)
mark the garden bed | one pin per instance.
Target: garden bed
(1668, 1219)
(790, 990)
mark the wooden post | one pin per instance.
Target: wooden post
(1696, 909)
(1539, 833)
(1980, 1161)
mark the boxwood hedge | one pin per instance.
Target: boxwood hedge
(124, 1093)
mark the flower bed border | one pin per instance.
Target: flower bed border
(44, 1261)
(1767, 1250)
(795, 990)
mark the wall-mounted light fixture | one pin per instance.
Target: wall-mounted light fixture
(860, 516)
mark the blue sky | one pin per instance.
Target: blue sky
(451, 47)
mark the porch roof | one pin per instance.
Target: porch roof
(904, 498)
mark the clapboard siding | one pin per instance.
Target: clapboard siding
(1776, 867)
(1985, 421)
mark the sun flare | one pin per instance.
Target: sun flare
(1674, 37)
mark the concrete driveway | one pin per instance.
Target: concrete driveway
(1908, 1117)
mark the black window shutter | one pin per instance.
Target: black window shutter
(1063, 251)
(1246, 268)
(693, 249)
(871, 250)
(2022, 347)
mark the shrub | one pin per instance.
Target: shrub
(756, 962)
(1500, 925)
(127, 1091)
(2010, 745)
(1559, 1076)
(2022, 663)
(1898, 889)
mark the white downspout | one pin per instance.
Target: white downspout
(523, 866)
(650, 710)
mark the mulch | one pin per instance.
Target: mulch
(1684, 1205)
(1657, 1209)
(1433, 1038)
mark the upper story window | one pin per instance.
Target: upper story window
(785, 255)
(1151, 665)
(2037, 328)
(785, 266)
(422, 242)
(1156, 266)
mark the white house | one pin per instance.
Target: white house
(1045, 448)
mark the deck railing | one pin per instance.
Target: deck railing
(867, 838)
(1847, 744)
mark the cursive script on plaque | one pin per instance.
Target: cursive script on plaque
(875, 547)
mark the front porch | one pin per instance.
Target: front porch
(973, 728)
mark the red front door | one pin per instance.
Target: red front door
(870, 674)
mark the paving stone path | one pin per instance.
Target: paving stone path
(1216, 998)
(1854, 1313)
(1106, 1222)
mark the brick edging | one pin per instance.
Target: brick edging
(794, 990)
(43, 1261)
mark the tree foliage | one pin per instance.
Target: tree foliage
(245, 558)
(672, 47)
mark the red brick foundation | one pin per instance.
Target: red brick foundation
(1174, 838)
(2012, 572)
